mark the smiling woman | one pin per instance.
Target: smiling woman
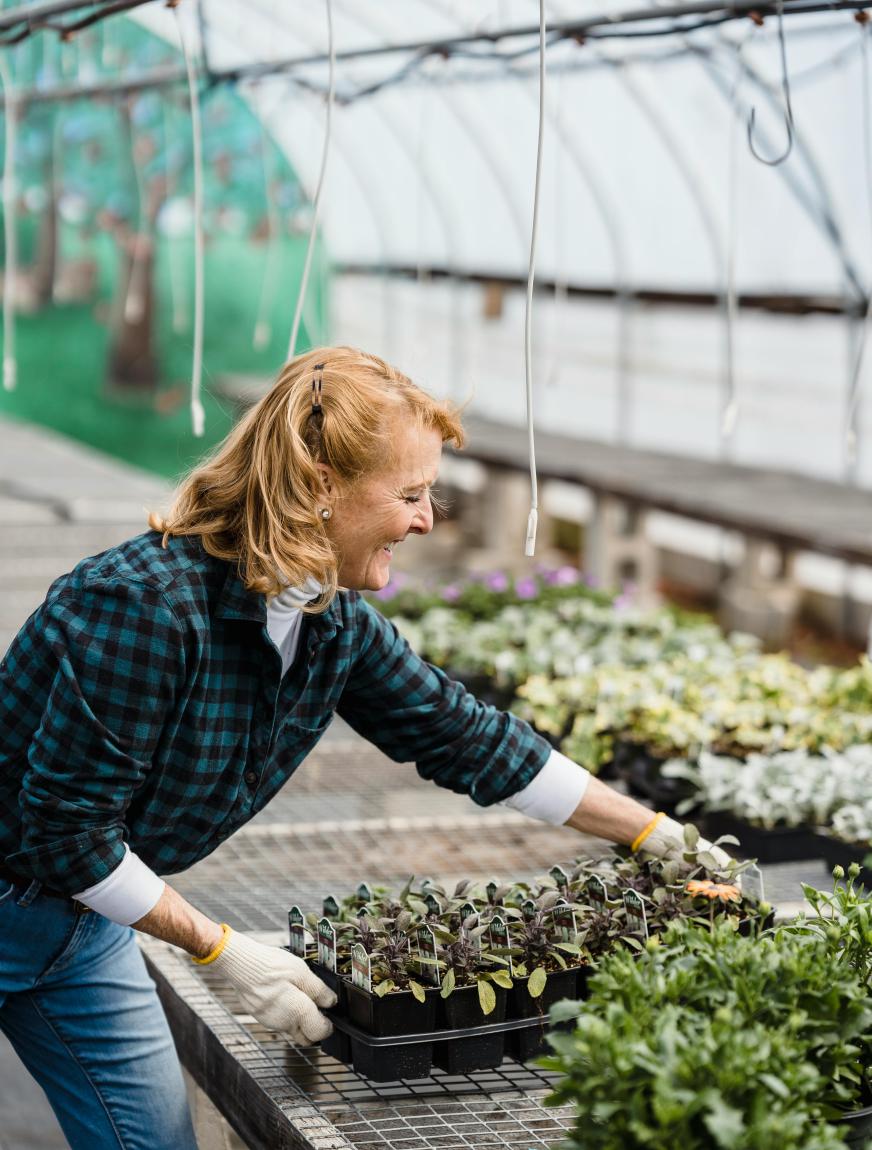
(322, 478)
(167, 688)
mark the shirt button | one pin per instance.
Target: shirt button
(251, 777)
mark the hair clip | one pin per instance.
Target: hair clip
(317, 383)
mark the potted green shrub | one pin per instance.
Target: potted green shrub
(711, 1039)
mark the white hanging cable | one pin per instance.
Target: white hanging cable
(533, 518)
(178, 296)
(852, 414)
(137, 284)
(263, 324)
(10, 363)
(316, 207)
(198, 416)
(730, 410)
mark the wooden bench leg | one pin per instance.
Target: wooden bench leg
(618, 551)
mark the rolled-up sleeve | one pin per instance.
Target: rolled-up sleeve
(116, 659)
(413, 712)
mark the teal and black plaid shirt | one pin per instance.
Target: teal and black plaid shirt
(144, 702)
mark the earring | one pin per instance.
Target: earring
(326, 512)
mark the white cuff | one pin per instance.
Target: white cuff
(127, 894)
(554, 793)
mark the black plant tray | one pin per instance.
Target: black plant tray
(388, 1059)
(640, 770)
(835, 852)
(858, 1125)
(767, 845)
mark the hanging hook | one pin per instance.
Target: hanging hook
(788, 108)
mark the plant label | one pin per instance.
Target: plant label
(499, 938)
(490, 890)
(363, 912)
(563, 918)
(426, 882)
(561, 879)
(467, 910)
(596, 893)
(330, 907)
(361, 970)
(363, 893)
(434, 906)
(752, 883)
(296, 932)
(427, 955)
(528, 909)
(637, 923)
(327, 944)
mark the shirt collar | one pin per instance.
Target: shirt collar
(236, 602)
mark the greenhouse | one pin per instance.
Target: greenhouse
(436, 575)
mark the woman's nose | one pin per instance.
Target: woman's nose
(422, 524)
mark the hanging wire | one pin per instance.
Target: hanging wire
(263, 324)
(788, 108)
(853, 405)
(198, 416)
(10, 275)
(730, 411)
(178, 296)
(137, 284)
(533, 518)
(316, 207)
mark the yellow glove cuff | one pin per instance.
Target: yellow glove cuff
(214, 954)
(637, 841)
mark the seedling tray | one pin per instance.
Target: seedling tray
(411, 1056)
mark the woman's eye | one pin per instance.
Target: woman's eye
(413, 498)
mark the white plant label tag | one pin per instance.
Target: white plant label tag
(752, 883)
(361, 970)
(434, 906)
(563, 918)
(490, 890)
(498, 933)
(297, 932)
(427, 951)
(468, 910)
(330, 907)
(363, 893)
(528, 909)
(327, 944)
(596, 893)
(561, 878)
(636, 920)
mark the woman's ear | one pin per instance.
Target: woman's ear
(328, 482)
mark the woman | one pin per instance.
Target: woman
(167, 688)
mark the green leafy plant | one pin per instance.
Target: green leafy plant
(710, 1039)
(843, 921)
(465, 961)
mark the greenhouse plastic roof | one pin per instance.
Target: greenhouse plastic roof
(648, 178)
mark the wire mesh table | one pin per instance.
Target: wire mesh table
(385, 825)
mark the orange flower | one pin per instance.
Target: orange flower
(724, 891)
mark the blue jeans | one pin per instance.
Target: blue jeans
(78, 1005)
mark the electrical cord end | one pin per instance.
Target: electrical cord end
(10, 373)
(198, 418)
(728, 421)
(851, 446)
(532, 523)
(262, 335)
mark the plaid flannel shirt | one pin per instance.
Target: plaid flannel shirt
(144, 702)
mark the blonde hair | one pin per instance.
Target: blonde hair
(255, 499)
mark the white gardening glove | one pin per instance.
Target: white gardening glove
(665, 839)
(277, 987)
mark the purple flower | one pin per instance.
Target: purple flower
(526, 588)
(566, 576)
(621, 602)
(387, 592)
(451, 593)
(497, 581)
